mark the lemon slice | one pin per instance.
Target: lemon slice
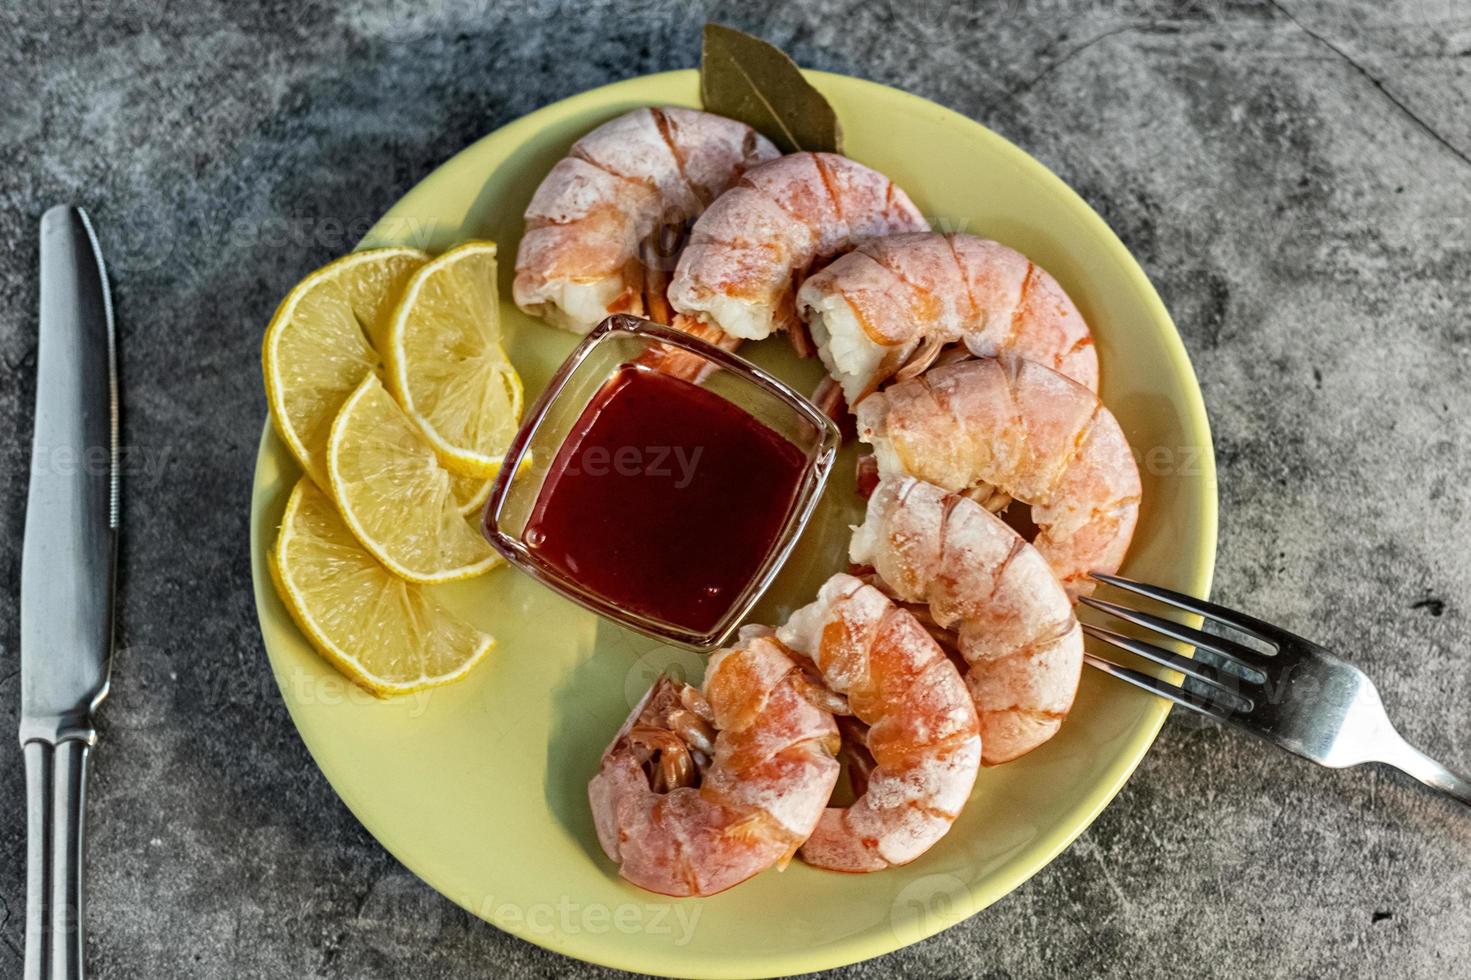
(379, 630)
(471, 492)
(321, 343)
(396, 497)
(445, 362)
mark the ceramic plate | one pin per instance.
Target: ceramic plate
(479, 788)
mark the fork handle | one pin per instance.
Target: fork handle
(1409, 759)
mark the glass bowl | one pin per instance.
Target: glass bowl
(618, 341)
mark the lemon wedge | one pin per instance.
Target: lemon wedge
(379, 630)
(445, 363)
(396, 497)
(322, 341)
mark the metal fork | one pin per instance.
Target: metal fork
(1300, 696)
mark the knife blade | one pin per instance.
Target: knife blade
(68, 558)
(68, 575)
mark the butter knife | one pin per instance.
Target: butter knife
(68, 569)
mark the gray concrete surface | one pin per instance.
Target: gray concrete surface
(1294, 176)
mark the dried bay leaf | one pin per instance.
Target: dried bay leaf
(747, 79)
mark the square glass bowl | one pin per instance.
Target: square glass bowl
(621, 340)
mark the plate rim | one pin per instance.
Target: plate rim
(976, 896)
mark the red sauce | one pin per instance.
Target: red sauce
(665, 498)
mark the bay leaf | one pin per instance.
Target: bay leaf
(747, 79)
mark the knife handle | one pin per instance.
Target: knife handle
(38, 858)
(68, 918)
(56, 784)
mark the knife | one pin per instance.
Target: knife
(68, 569)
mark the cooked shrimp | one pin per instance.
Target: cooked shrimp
(1013, 427)
(893, 303)
(922, 733)
(749, 249)
(699, 793)
(1012, 621)
(593, 243)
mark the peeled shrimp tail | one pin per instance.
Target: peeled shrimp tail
(770, 770)
(1014, 623)
(896, 300)
(1017, 428)
(922, 732)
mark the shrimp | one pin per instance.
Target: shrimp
(736, 778)
(596, 228)
(1013, 623)
(922, 732)
(1016, 428)
(893, 303)
(751, 247)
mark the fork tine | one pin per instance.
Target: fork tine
(1164, 689)
(1246, 624)
(1204, 673)
(1243, 656)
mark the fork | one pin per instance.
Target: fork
(1300, 696)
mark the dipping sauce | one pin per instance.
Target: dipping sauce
(665, 498)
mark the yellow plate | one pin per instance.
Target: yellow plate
(479, 787)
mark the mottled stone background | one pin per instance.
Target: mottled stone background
(1294, 176)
